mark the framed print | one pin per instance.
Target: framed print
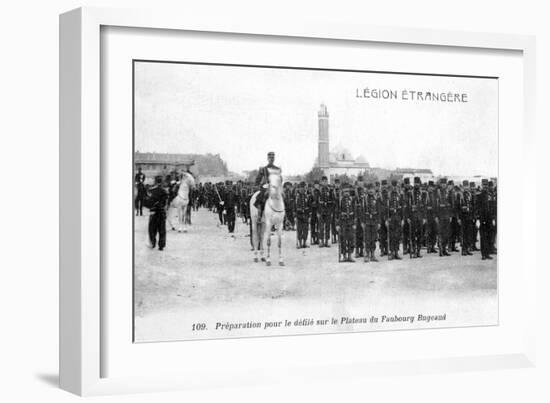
(279, 201)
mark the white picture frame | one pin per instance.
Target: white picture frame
(81, 170)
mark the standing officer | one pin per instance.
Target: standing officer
(346, 225)
(485, 220)
(417, 211)
(431, 225)
(288, 198)
(359, 232)
(139, 181)
(230, 203)
(383, 201)
(325, 207)
(455, 213)
(395, 217)
(219, 191)
(156, 201)
(473, 227)
(370, 222)
(336, 194)
(406, 194)
(465, 201)
(302, 216)
(314, 219)
(492, 193)
(443, 218)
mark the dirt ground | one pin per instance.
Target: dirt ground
(206, 285)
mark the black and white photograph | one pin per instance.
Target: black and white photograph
(279, 201)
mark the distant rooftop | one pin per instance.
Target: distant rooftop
(163, 158)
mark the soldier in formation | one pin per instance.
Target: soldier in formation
(396, 217)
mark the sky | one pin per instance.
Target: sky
(242, 113)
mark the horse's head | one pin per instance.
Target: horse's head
(275, 186)
(188, 178)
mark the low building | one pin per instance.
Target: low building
(153, 164)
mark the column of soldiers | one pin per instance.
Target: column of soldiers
(397, 217)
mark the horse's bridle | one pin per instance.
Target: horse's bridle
(271, 207)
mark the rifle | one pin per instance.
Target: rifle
(410, 240)
(339, 247)
(388, 235)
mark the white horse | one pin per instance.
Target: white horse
(273, 216)
(178, 206)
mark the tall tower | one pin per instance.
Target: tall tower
(323, 157)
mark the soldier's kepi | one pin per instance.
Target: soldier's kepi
(262, 181)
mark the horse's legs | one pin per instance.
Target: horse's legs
(171, 211)
(267, 233)
(255, 239)
(183, 212)
(279, 244)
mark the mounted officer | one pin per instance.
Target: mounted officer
(262, 181)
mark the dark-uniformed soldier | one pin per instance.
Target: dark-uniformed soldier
(465, 201)
(325, 207)
(383, 231)
(156, 200)
(336, 194)
(431, 224)
(288, 198)
(302, 204)
(314, 219)
(407, 216)
(244, 200)
(454, 236)
(443, 218)
(230, 203)
(395, 217)
(492, 193)
(417, 211)
(473, 226)
(219, 188)
(262, 182)
(346, 224)
(485, 220)
(370, 221)
(359, 230)
(139, 182)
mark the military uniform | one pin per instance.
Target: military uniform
(492, 193)
(314, 219)
(395, 217)
(346, 225)
(288, 198)
(417, 211)
(455, 213)
(156, 200)
(336, 198)
(485, 221)
(444, 207)
(303, 211)
(431, 223)
(139, 181)
(325, 207)
(407, 216)
(359, 230)
(473, 227)
(370, 221)
(230, 203)
(465, 201)
(384, 217)
(262, 182)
